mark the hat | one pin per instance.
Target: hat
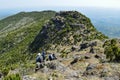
(39, 54)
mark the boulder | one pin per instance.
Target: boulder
(27, 77)
(51, 65)
(102, 57)
(84, 45)
(104, 72)
(74, 74)
(91, 66)
(91, 70)
(92, 50)
(88, 44)
(97, 56)
(75, 61)
(75, 48)
(56, 65)
(99, 70)
(112, 78)
(93, 43)
(87, 56)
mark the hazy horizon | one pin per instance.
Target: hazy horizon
(85, 10)
(9, 7)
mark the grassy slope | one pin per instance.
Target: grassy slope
(14, 45)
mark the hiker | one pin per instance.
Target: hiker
(52, 57)
(39, 62)
(39, 58)
(43, 54)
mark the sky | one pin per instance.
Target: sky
(10, 7)
(12, 4)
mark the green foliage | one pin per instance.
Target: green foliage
(64, 53)
(13, 77)
(16, 18)
(112, 50)
(5, 71)
(14, 44)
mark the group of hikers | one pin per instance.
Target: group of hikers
(42, 57)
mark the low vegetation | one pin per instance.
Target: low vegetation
(13, 77)
(112, 50)
(14, 43)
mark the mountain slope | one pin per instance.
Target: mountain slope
(14, 39)
(66, 28)
(78, 46)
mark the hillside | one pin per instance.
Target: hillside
(17, 32)
(66, 28)
(82, 52)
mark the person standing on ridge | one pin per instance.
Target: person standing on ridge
(39, 62)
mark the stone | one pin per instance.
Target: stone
(87, 56)
(104, 72)
(92, 50)
(52, 65)
(74, 61)
(91, 70)
(97, 56)
(74, 74)
(75, 48)
(83, 46)
(112, 78)
(91, 66)
(94, 43)
(27, 77)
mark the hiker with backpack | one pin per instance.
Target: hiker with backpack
(39, 62)
(52, 57)
(39, 58)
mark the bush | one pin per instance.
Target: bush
(13, 77)
(112, 50)
(5, 71)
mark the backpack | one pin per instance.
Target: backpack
(51, 57)
(39, 59)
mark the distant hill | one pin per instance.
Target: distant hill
(110, 26)
(106, 20)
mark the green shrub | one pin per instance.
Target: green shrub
(64, 53)
(13, 77)
(5, 71)
(112, 50)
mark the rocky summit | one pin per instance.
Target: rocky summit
(81, 52)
